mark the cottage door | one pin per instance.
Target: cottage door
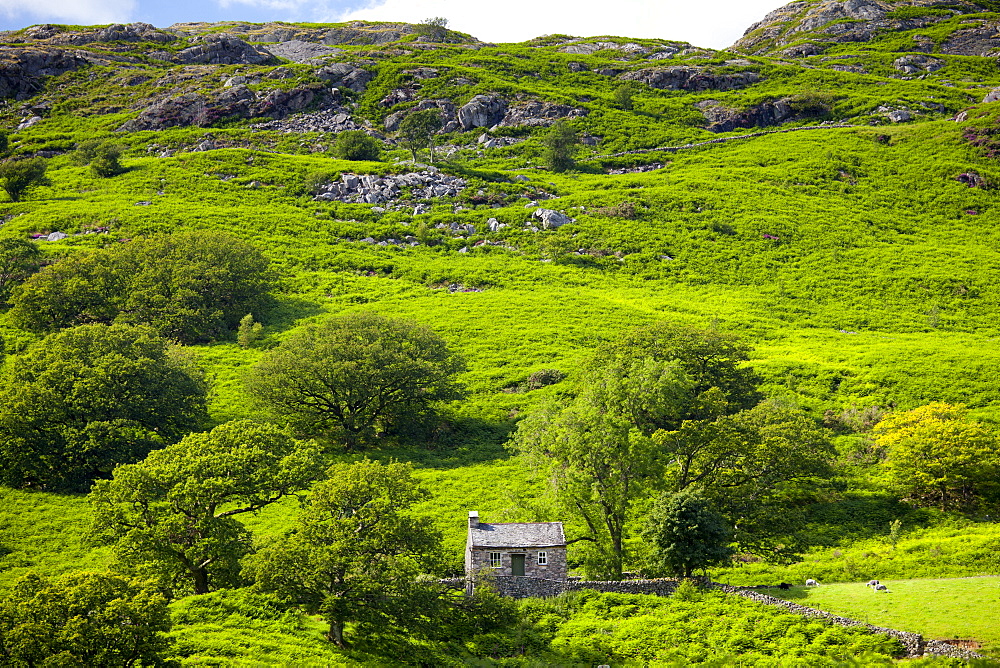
(517, 564)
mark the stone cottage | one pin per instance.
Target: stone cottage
(535, 549)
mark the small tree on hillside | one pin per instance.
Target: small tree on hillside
(356, 145)
(435, 28)
(623, 96)
(418, 129)
(102, 156)
(686, 534)
(560, 145)
(18, 176)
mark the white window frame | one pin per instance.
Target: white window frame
(543, 558)
(496, 560)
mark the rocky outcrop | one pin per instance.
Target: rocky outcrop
(482, 111)
(539, 114)
(23, 69)
(223, 49)
(686, 77)
(298, 51)
(325, 120)
(785, 30)
(237, 101)
(345, 75)
(372, 189)
(918, 64)
(551, 219)
(726, 119)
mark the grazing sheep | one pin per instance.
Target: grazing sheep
(872, 583)
(784, 585)
(811, 583)
(881, 587)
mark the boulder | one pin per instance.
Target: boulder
(345, 75)
(551, 219)
(449, 120)
(133, 32)
(482, 111)
(992, 96)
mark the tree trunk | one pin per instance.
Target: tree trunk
(200, 580)
(336, 634)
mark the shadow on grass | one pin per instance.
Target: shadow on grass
(285, 311)
(452, 444)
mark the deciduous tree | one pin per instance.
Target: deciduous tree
(560, 144)
(938, 457)
(20, 175)
(417, 131)
(356, 552)
(83, 619)
(353, 376)
(189, 286)
(81, 401)
(172, 516)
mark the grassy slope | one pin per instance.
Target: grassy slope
(936, 608)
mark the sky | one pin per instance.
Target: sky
(707, 23)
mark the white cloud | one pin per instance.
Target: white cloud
(87, 12)
(709, 23)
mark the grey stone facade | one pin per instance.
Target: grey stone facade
(529, 549)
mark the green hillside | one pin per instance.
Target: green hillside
(824, 191)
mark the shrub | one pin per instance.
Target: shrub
(18, 176)
(356, 145)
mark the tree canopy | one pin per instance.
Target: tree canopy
(937, 457)
(356, 552)
(81, 401)
(560, 145)
(171, 516)
(353, 376)
(189, 286)
(83, 619)
(356, 145)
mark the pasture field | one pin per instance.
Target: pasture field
(939, 608)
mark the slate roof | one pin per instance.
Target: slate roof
(518, 534)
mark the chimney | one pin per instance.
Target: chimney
(473, 519)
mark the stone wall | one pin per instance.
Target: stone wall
(528, 587)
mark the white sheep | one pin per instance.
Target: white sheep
(881, 587)
(872, 583)
(811, 583)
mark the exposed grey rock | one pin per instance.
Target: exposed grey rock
(56, 236)
(900, 116)
(390, 189)
(298, 51)
(687, 77)
(917, 64)
(539, 114)
(133, 32)
(22, 69)
(223, 49)
(992, 96)
(325, 120)
(726, 119)
(345, 75)
(551, 219)
(238, 101)
(482, 111)
(34, 120)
